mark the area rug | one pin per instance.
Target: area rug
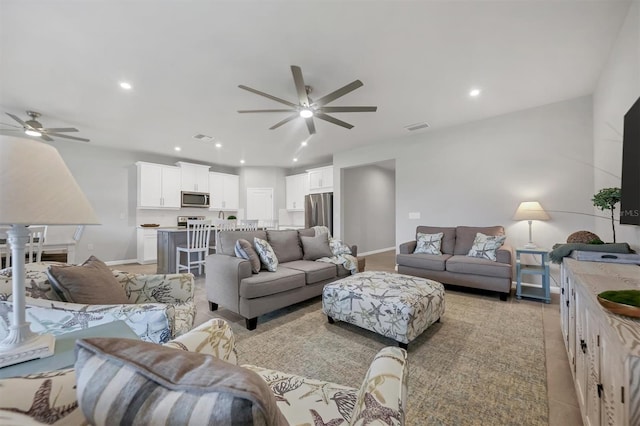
(482, 365)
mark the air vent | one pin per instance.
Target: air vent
(203, 138)
(417, 126)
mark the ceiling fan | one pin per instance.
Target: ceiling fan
(308, 108)
(32, 127)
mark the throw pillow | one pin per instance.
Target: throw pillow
(266, 253)
(338, 247)
(485, 246)
(91, 283)
(245, 250)
(316, 247)
(124, 381)
(429, 243)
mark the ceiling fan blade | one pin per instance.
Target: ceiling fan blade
(286, 120)
(18, 120)
(45, 138)
(266, 95)
(244, 111)
(300, 87)
(11, 125)
(337, 93)
(348, 109)
(61, 129)
(310, 125)
(333, 120)
(58, 135)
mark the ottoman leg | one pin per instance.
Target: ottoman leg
(404, 346)
(330, 320)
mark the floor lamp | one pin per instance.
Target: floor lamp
(35, 187)
(530, 211)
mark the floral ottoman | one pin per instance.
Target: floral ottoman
(393, 305)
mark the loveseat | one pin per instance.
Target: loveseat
(153, 299)
(230, 281)
(51, 398)
(454, 266)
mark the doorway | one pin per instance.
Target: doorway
(260, 203)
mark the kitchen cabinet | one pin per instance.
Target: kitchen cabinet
(297, 186)
(193, 177)
(320, 179)
(147, 239)
(603, 348)
(158, 186)
(224, 190)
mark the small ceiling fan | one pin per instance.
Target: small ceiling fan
(33, 127)
(308, 108)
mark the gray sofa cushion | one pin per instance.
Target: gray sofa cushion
(466, 234)
(227, 240)
(316, 247)
(448, 237)
(286, 244)
(307, 232)
(267, 283)
(472, 265)
(314, 271)
(432, 262)
(342, 271)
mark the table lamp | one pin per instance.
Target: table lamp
(530, 211)
(35, 187)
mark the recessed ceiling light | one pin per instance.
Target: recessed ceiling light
(304, 143)
(241, 161)
(218, 145)
(306, 113)
(125, 85)
(474, 92)
(177, 148)
(295, 159)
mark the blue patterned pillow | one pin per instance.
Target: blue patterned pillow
(266, 253)
(429, 243)
(485, 246)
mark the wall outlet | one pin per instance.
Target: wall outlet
(414, 215)
(90, 246)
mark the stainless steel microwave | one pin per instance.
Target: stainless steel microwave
(194, 199)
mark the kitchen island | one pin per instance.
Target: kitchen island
(168, 239)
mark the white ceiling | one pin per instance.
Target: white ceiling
(417, 60)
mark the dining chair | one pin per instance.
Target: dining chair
(223, 225)
(248, 225)
(37, 235)
(268, 223)
(198, 232)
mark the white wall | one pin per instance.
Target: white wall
(369, 207)
(617, 89)
(478, 173)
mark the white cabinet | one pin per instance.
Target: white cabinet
(603, 348)
(224, 190)
(297, 187)
(158, 186)
(147, 245)
(320, 179)
(194, 177)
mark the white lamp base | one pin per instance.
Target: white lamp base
(530, 245)
(41, 346)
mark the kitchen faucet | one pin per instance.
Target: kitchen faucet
(221, 211)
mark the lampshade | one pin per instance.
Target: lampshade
(37, 187)
(530, 210)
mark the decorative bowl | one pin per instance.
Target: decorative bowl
(620, 308)
(150, 225)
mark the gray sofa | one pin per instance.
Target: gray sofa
(453, 266)
(231, 283)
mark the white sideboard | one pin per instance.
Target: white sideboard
(603, 348)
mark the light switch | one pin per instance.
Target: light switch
(414, 215)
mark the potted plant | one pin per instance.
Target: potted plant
(606, 199)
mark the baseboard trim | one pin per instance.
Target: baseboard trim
(366, 253)
(120, 262)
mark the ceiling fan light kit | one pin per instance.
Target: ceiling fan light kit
(33, 127)
(308, 108)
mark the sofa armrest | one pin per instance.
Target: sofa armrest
(354, 250)
(156, 288)
(505, 254)
(214, 337)
(385, 384)
(408, 247)
(224, 274)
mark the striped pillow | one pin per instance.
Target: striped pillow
(122, 381)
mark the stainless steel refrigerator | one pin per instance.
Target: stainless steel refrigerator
(318, 210)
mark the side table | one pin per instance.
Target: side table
(64, 355)
(542, 269)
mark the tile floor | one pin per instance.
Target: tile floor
(563, 405)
